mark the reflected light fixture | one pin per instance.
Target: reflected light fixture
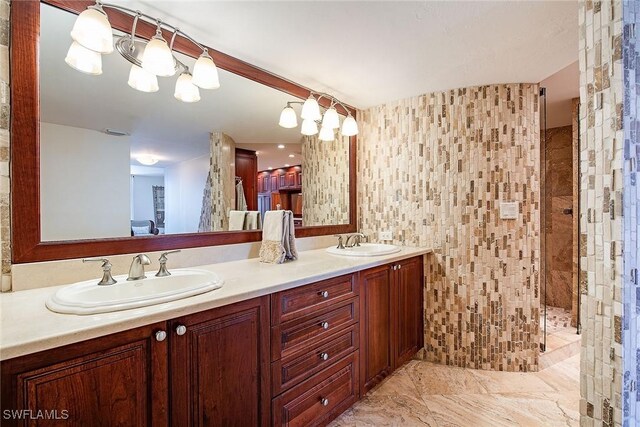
(93, 36)
(311, 118)
(281, 146)
(291, 156)
(147, 160)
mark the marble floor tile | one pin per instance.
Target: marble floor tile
(431, 378)
(386, 410)
(510, 382)
(563, 376)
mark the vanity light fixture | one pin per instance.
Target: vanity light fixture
(312, 116)
(93, 36)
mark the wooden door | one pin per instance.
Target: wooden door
(220, 366)
(117, 380)
(247, 170)
(408, 297)
(376, 333)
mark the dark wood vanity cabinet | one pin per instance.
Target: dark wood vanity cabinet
(391, 318)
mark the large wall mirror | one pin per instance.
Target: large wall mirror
(116, 170)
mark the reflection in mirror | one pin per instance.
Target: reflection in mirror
(116, 162)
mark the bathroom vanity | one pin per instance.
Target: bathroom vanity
(298, 352)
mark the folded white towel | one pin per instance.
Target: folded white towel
(236, 220)
(253, 221)
(278, 238)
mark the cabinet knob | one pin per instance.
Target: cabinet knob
(399, 266)
(324, 401)
(324, 294)
(181, 329)
(161, 336)
(324, 325)
(324, 356)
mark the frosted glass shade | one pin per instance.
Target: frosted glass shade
(186, 91)
(142, 80)
(331, 119)
(310, 109)
(147, 160)
(326, 134)
(83, 59)
(288, 118)
(349, 126)
(309, 127)
(205, 73)
(157, 57)
(93, 31)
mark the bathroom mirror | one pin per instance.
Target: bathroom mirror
(118, 170)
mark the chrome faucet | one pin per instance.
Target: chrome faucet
(136, 271)
(357, 238)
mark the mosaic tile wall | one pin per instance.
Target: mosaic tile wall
(432, 169)
(5, 210)
(631, 214)
(219, 195)
(601, 183)
(325, 181)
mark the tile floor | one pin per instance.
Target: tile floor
(426, 394)
(562, 339)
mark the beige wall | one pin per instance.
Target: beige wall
(601, 144)
(432, 169)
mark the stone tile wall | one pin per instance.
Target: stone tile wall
(433, 169)
(5, 185)
(601, 204)
(219, 196)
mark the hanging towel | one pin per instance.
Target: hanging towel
(253, 221)
(278, 239)
(241, 201)
(236, 220)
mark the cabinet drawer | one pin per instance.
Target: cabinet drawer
(321, 398)
(295, 303)
(307, 331)
(290, 371)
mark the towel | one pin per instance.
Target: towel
(278, 238)
(236, 220)
(241, 201)
(253, 221)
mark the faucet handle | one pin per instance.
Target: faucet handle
(340, 244)
(163, 272)
(163, 256)
(107, 278)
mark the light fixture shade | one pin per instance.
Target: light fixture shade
(310, 109)
(142, 80)
(157, 57)
(326, 134)
(205, 73)
(349, 126)
(83, 59)
(288, 118)
(309, 127)
(147, 160)
(186, 91)
(331, 119)
(93, 31)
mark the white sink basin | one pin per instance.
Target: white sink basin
(365, 249)
(89, 298)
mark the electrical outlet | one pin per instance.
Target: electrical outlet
(385, 235)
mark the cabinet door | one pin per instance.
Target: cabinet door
(299, 179)
(376, 333)
(274, 182)
(117, 380)
(291, 179)
(220, 366)
(408, 290)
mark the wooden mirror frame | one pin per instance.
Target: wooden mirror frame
(25, 141)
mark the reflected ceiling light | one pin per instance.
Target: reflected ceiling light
(186, 91)
(93, 36)
(205, 72)
(83, 59)
(288, 117)
(270, 168)
(142, 80)
(93, 30)
(326, 134)
(147, 160)
(291, 156)
(281, 146)
(311, 117)
(286, 165)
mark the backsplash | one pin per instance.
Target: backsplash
(601, 183)
(433, 169)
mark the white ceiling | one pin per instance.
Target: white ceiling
(368, 53)
(561, 87)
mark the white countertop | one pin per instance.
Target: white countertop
(27, 326)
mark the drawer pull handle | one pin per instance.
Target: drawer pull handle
(324, 401)
(324, 294)
(324, 356)
(324, 325)
(181, 329)
(161, 336)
